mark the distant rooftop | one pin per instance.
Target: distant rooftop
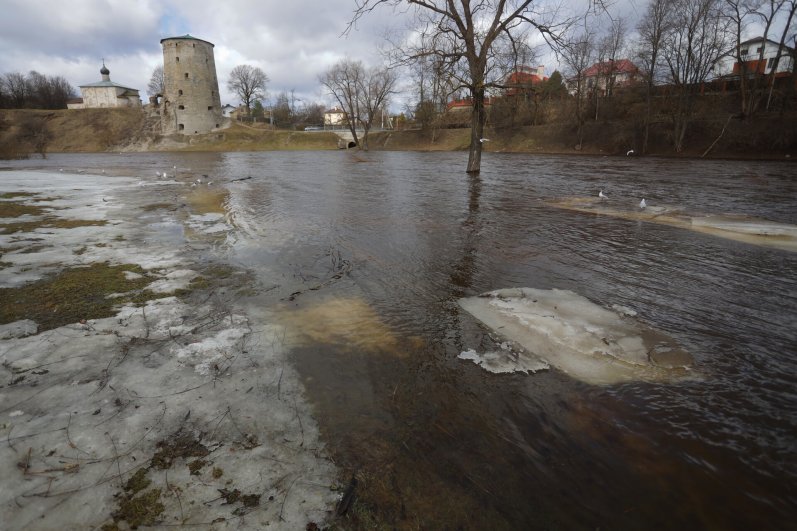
(187, 36)
(107, 84)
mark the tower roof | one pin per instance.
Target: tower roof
(186, 37)
(104, 70)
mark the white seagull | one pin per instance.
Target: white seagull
(158, 174)
(629, 153)
(642, 203)
(602, 195)
(483, 140)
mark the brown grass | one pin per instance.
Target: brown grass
(78, 130)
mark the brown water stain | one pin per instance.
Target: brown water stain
(204, 200)
(349, 323)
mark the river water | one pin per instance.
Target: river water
(362, 256)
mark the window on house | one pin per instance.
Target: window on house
(181, 107)
(744, 52)
(186, 75)
(758, 50)
(180, 126)
(771, 62)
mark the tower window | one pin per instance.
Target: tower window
(193, 45)
(178, 59)
(210, 107)
(186, 75)
(180, 92)
(181, 107)
(180, 126)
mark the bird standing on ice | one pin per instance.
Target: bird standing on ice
(629, 153)
(642, 203)
(602, 195)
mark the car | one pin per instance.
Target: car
(313, 128)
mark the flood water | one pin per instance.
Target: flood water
(362, 256)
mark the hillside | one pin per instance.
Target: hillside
(765, 137)
(26, 132)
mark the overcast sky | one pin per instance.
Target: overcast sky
(293, 41)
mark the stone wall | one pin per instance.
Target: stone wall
(100, 97)
(191, 102)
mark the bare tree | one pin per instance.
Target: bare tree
(17, 88)
(360, 92)
(310, 114)
(652, 28)
(698, 38)
(577, 55)
(613, 46)
(738, 13)
(379, 85)
(432, 89)
(766, 12)
(249, 84)
(791, 8)
(36, 133)
(281, 111)
(343, 81)
(156, 84)
(466, 36)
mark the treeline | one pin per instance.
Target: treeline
(684, 61)
(34, 91)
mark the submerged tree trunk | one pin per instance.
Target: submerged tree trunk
(477, 118)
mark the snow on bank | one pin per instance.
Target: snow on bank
(193, 399)
(574, 335)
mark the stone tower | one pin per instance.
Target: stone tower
(191, 102)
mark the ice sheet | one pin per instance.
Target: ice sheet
(733, 227)
(573, 334)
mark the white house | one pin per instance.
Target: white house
(335, 116)
(750, 51)
(105, 93)
(227, 110)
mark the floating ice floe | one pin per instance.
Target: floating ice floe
(505, 360)
(591, 343)
(733, 227)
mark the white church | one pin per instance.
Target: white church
(105, 93)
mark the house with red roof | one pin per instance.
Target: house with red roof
(523, 79)
(609, 75)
